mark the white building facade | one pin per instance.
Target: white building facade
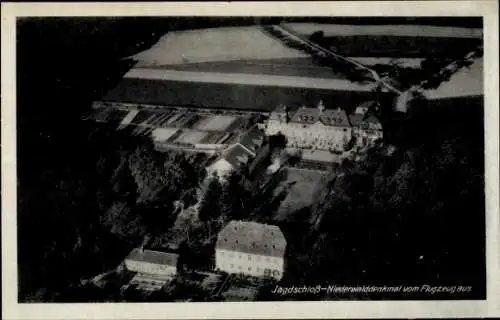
(320, 129)
(366, 129)
(151, 262)
(252, 249)
(314, 128)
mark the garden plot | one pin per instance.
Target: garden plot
(163, 134)
(303, 187)
(190, 137)
(156, 119)
(141, 117)
(216, 123)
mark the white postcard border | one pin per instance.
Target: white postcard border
(233, 310)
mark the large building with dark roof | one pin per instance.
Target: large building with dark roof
(324, 129)
(316, 128)
(251, 248)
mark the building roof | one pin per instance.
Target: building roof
(252, 237)
(364, 107)
(329, 117)
(336, 118)
(356, 119)
(240, 153)
(306, 115)
(360, 121)
(156, 257)
(253, 139)
(237, 155)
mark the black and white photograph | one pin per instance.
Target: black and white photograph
(262, 158)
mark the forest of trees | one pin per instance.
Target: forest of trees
(410, 215)
(86, 193)
(89, 217)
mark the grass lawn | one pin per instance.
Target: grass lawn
(303, 187)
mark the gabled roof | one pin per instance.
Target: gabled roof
(253, 139)
(277, 113)
(360, 121)
(356, 119)
(329, 117)
(336, 118)
(237, 155)
(253, 238)
(156, 257)
(306, 115)
(362, 108)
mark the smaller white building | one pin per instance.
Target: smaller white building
(154, 263)
(364, 107)
(366, 129)
(238, 155)
(251, 248)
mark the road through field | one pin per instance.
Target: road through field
(294, 35)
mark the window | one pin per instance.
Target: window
(222, 253)
(231, 266)
(249, 257)
(249, 268)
